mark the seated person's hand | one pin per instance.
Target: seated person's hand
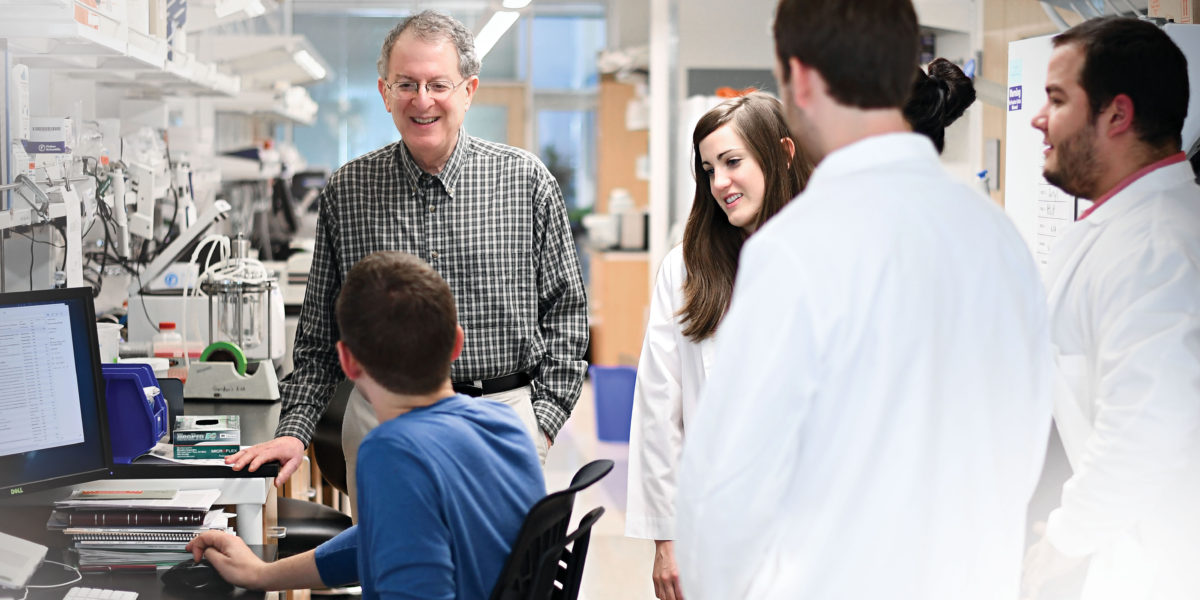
(289, 451)
(230, 556)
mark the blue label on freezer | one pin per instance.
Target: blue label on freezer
(44, 147)
(1014, 98)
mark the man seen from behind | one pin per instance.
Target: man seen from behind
(877, 414)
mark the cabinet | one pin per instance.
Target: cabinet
(619, 282)
(620, 301)
(619, 148)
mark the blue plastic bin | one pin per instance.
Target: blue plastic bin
(134, 425)
(612, 388)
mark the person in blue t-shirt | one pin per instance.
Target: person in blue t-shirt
(444, 481)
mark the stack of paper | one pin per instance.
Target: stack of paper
(135, 527)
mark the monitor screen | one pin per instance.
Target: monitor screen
(53, 422)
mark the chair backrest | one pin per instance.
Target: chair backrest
(543, 528)
(327, 438)
(563, 562)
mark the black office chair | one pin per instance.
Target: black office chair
(562, 563)
(533, 563)
(309, 524)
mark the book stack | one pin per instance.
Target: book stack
(135, 528)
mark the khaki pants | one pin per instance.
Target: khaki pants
(360, 419)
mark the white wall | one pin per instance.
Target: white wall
(628, 23)
(720, 34)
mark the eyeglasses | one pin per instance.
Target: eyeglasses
(408, 89)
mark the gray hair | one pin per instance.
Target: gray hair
(433, 26)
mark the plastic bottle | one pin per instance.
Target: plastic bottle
(167, 343)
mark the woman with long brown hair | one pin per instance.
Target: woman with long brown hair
(747, 168)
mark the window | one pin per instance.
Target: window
(565, 83)
(551, 49)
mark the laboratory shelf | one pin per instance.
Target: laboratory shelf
(294, 105)
(80, 41)
(62, 28)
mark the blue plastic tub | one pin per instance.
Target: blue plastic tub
(134, 424)
(612, 389)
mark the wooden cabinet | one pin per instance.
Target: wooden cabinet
(619, 281)
(618, 148)
(620, 300)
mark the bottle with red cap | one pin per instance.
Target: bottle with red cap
(167, 343)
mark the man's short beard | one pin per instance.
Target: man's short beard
(1078, 172)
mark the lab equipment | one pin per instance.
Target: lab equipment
(169, 307)
(53, 417)
(245, 305)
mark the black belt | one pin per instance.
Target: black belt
(491, 386)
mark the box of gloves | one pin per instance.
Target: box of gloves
(197, 436)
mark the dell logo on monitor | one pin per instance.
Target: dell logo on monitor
(15, 491)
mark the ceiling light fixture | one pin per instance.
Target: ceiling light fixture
(494, 30)
(255, 8)
(515, 4)
(309, 64)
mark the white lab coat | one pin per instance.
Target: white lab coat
(670, 377)
(1124, 289)
(877, 414)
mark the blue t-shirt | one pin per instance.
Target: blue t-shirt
(442, 493)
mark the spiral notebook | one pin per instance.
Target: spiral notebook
(133, 537)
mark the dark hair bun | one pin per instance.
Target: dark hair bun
(938, 99)
(959, 89)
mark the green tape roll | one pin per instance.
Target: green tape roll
(225, 352)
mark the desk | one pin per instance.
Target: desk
(146, 584)
(248, 492)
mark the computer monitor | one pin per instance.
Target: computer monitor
(53, 421)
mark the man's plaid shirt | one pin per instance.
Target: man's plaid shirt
(494, 225)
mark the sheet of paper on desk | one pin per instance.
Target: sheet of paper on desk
(184, 500)
(123, 494)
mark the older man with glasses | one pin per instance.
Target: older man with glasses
(489, 218)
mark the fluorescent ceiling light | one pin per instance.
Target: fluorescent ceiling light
(255, 8)
(494, 30)
(309, 64)
(515, 4)
(224, 8)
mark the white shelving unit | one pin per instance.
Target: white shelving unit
(294, 105)
(83, 42)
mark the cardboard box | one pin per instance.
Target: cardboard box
(197, 452)
(1180, 11)
(206, 436)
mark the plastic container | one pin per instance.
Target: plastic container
(160, 365)
(167, 343)
(135, 423)
(109, 336)
(612, 389)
